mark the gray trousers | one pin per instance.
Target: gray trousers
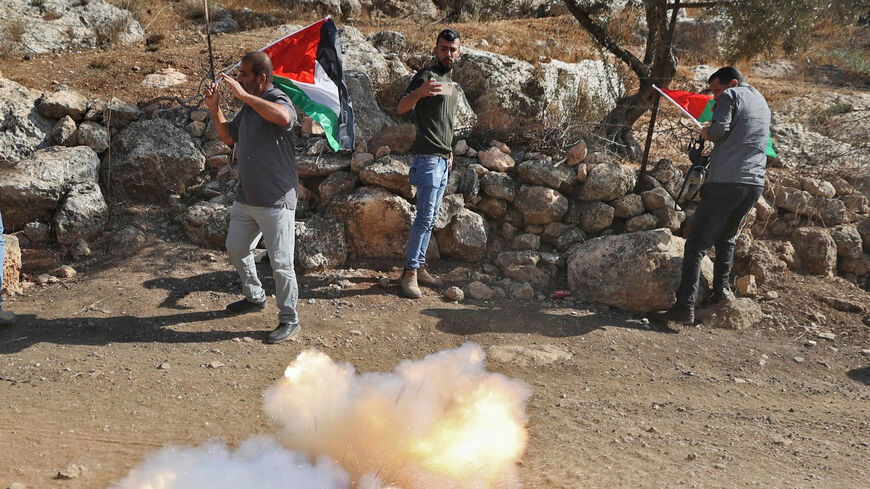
(277, 227)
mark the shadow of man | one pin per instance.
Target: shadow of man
(31, 329)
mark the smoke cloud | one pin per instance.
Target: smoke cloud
(442, 422)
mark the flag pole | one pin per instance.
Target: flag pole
(686, 112)
(208, 37)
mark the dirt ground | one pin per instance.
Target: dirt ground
(109, 366)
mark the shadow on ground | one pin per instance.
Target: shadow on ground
(530, 318)
(860, 375)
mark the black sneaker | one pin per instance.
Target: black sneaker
(283, 332)
(723, 296)
(683, 316)
(244, 305)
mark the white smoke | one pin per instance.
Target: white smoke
(259, 462)
(437, 423)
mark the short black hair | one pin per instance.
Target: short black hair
(260, 63)
(448, 35)
(725, 75)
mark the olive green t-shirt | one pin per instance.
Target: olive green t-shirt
(434, 115)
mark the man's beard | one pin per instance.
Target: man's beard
(445, 67)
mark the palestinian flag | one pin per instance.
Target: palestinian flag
(307, 67)
(700, 107)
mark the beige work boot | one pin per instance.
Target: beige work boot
(408, 282)
(426, 278)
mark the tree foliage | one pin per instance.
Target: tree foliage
(752, 27)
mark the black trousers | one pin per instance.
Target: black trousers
(715, 223)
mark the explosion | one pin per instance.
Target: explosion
(437, 423)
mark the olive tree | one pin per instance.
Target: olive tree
(753, 26)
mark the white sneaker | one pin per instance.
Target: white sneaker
(7, 317)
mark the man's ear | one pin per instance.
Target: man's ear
(734, 83)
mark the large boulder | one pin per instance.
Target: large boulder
(451, 205)
(82, 216)
(540, 205)
(743, 313)
(24, 129)
(499, 185)
(376, 222)
(57, 105)
(464, 238)
(817, 250)
(61, 25)
(390, 173)
(398, 138)
(321, 165)
(320, 244)
(501, 88)
(32, 190)
(544, 172)
(607, 182)
(848, 241)
(206, 223)
(637, 271)
(596, 217)
(338, 183)
(420, 9)
(369, 117)
(360, 55)
(152, 159)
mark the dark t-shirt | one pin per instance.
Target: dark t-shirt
(268, 176)
(433, 115)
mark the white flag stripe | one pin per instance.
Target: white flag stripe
(323, 90)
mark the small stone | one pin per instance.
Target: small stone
(384, 282)
(454, 294)
(81, 250)
(163, 366)
(771, 295)
(692, 457)
(16, 485)
(247, 339)
(719, 466)
(311, 301)
(355, 332)
(70, 472)
(66, 271)
(46, 279)
(799, 359)
(827, 336)
(809, 343)
(866, 352)
(216, 364)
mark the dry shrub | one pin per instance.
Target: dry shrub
(101, 63)
(51, 16)
(109, 32)
(15, 29)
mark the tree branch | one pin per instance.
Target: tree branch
(583, 16)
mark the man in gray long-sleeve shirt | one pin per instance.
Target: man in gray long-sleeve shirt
(735, 179)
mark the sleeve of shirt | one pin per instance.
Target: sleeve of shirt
(722, 114)
(415, 82)
(279, 97)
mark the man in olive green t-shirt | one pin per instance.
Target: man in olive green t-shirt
(434, 104)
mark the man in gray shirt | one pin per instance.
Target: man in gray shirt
(735, 180)
(265, 203)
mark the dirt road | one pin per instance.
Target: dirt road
(134, 354)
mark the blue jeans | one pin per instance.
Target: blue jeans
(715, 223)
(1, 261)
(429, 174)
